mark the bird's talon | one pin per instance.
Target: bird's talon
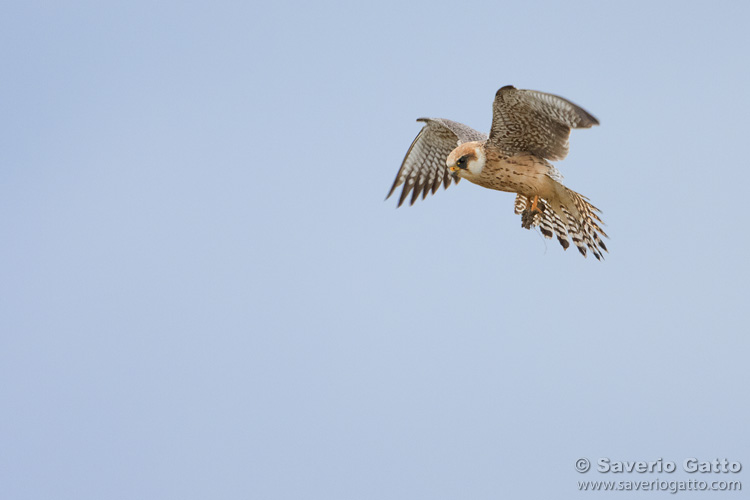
(527, 218)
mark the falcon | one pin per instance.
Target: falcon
(529, 130)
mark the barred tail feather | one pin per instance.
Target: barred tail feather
(557, 225)
(582, 222)
(570, 215)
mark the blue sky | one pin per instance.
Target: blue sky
(204, 295)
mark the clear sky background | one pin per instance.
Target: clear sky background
(204, 295)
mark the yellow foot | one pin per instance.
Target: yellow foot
(533, 205)
(528, 215)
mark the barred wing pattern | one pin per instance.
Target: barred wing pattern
(423, 168)
(528, 121)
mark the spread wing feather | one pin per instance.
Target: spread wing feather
(423, 168)
(527, 121)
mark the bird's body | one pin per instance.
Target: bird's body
(529, 128)
(524, 174)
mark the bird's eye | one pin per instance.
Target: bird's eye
(461, 163)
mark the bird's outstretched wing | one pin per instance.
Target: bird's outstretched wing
(423, 168)
(527, 121)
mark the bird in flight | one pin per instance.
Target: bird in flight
(529, 130)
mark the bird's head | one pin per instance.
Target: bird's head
(467, 160)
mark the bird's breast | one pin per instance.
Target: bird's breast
(523, 174)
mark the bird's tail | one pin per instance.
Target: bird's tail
(570, 214)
